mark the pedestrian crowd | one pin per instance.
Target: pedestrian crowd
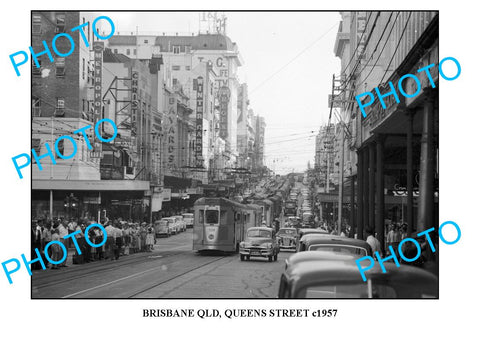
(123, 238)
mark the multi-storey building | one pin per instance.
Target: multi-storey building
(325, 155)
(181, 55)
(259, 146)
(394, 148)
(63, 101)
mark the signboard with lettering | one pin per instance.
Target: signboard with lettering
(97, 80)
(134, 100)
(171, 135)
(223, 99)
(98, 46)
(199, 124)
(361, 36)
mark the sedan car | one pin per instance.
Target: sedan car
(188, 218)
(172, 224)
(317, 256)
(162, 228)
(287, 238)
(259, 241)
(334, 243)
(341, 279)
(182, 226)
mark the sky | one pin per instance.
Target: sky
(288, 66)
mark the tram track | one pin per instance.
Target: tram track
(105, 266)
(177, 276)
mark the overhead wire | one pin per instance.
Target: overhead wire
(292, 60)
(396, 48)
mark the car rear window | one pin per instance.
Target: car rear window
(339, 249)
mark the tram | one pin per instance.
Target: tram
(219, 224)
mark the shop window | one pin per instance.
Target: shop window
(128, 51)
(36, 24)
(60, 23)
(83, 68)
(60, 67)
(36, 107)
(37, 146)
(176, 67)
(60, 107)
(61, 149)
(36, 71)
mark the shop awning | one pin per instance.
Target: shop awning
(86, 185)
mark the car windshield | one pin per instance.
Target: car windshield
(188, 215)
(259, 233)
(287, 232)
(337, 248)
(349, 290)
(163, 223)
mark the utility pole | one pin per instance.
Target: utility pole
(340, 181)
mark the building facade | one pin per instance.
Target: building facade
(393, 150)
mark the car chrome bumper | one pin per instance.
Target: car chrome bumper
(256, 252)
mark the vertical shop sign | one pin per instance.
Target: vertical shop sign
(172, 133)
(361, 36)
(134, 101)
(224, 98)
(199, 125)
(98, 46)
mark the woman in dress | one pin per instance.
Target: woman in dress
(55, 251)
(150, 239)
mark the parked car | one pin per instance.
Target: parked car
(317, 255)
(172, 224)
(306, 231)
(188, 218)
(259, 241)
(162, 228)
(342, 279)
(181, 225)
(287, 238)
(334, 243)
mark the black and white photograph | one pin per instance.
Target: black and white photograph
(312, 183)
(236, 170)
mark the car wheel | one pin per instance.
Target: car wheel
(269, 258)
(242, 258)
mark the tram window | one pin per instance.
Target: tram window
(223, 217)
(200, 216)
(211, 216)
(237, 216)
